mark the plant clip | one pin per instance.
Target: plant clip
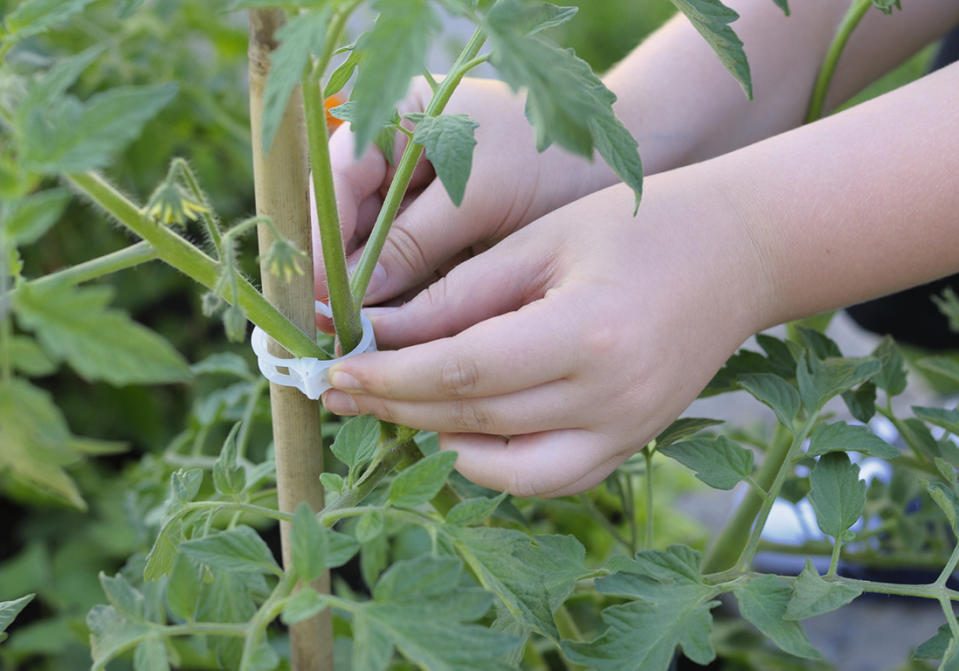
(309, 375)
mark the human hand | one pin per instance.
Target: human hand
(511, 184)
(546, 361)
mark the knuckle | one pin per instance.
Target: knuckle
(458, 377)
(407, 250)
(471, 418)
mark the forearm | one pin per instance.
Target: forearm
(853, 207)
(684, 107)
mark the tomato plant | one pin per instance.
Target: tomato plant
(429, 570)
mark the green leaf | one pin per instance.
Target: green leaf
(814, 596)
(151, 655)
(718, 461)
(448, 141)
(123, 596)
(98, 342)
(940, 365)
(531, 577)
(303, 605)
(886, 6)
(35, 443)
(36, 16)
(947, 419)
(821, 345)
(836, 493)
(111, 634)
(422, 481)
(774, 392)
(783, 5)
(861, 402)
(842, 437)
(566, 102)
(935, 647)
(821, 380)
(126, 8)
(763, 602)
(28, 358)
(712, 18)
(69, 136)
(304, 35)
(684, 427)
(357, 440)
(370, 525)
(420, 607)
(390, 55)
(163, 554)
(223, 363)
(10, 609)
(185, 484)
(31, 217)
(342, 74)
(671, 608)
(892, 376)
(947, 501)
(315, 547)
(238, 550)
(228, 477)
(473, 511)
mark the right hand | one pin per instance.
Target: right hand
(511, 184)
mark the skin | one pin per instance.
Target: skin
(580, 332)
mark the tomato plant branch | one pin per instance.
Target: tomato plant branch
(834, 559)
(177, 252)
(404, 170)
(128, 257)
(849, 22)
(264, 616)
(948, 569)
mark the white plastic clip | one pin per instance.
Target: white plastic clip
(309, 375)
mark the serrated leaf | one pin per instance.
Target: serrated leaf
(821, 345)
(28, 358)
(163, 554)
(228, 476)
(683, 428)
(947, 419)
(237, 550)
(718, 461)
(429, 624)
(836, 493)
(861, 402)
(778, 354)
(473, 511)
(68, 136)
(531, 577)
(342, 74)
(357, 440)
(333, 483)
(811, 595)
(185, 484)
(123, 596)
(32, 17)
(935, 647)
(35, 443)
(10, 609)
(448, 141)
(223, 363)
(370, 525)
(947, 501)
(821, 380)
(842, 437)
(303, 605)
(712, 18)
(620, 150)
(98, 342)
(111, 634)
(316, 548)
(671, 608)
(892, 377)
(31, 217)
(151, 655)
(422, 481)
(775, 392)
(763, 602)
(390, 55)
(303, 36)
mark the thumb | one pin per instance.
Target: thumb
(500, 280)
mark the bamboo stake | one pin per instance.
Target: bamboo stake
(281, 178)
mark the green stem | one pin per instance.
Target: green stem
(728, 546)
(849, 22)
(6, 327)
(405, 168)
(204, 629)
(209, 220)
(602, 519)
(405, 451)
(948, 569)
(834, 559)
(648, 454)
(871, 559)
(177, 252)
(266, 614)
(243, 437)
(238, 506)
(107, 264)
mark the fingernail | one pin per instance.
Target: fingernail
(339, 403)
(344, 381)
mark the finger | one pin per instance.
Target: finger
(498, 356)
(551, 463)
(551, 406)
(500, 280)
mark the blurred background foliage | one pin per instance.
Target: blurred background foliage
(58, 552)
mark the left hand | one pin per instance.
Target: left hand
(546, 361)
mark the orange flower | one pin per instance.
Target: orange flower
(332, 123)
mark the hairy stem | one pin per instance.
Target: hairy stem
(177, 252)
(128, 257)
(404, 170)
(849, 22)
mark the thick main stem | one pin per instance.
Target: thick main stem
(852, 18)
(282, 187)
